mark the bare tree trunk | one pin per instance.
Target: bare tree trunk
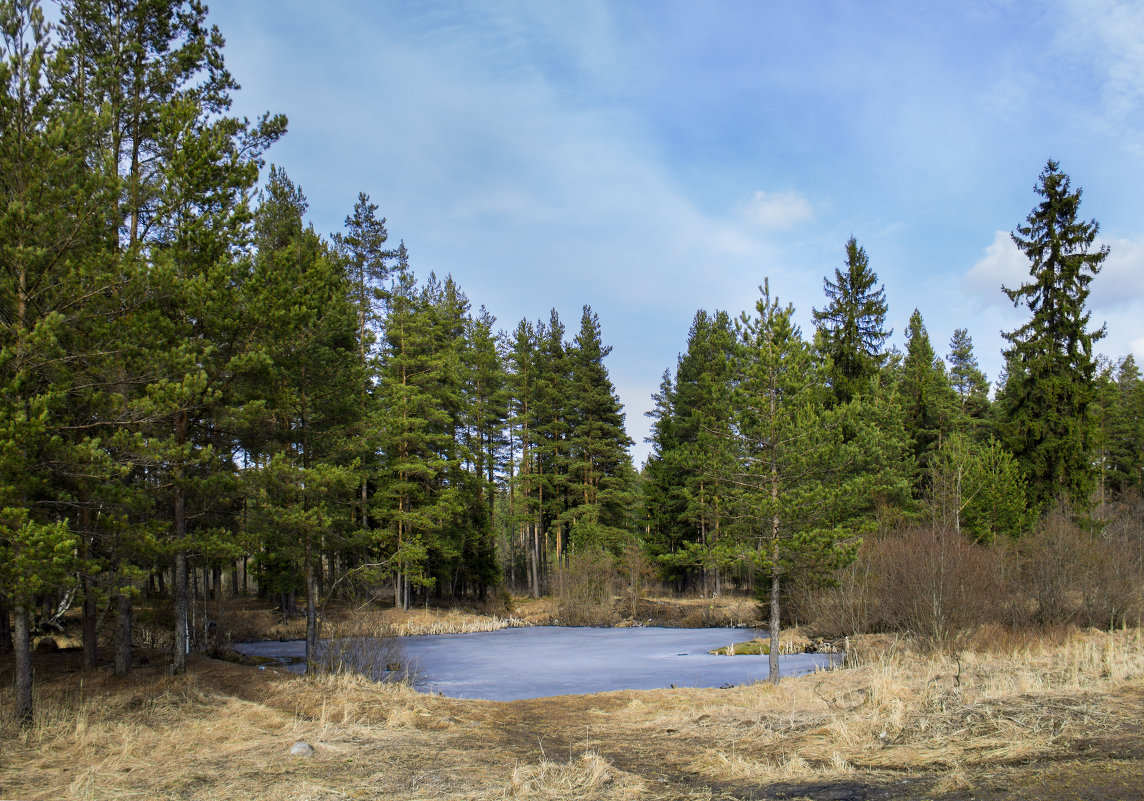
(535, 574)
(90, 622)
(5, 628)
(23, 665)
(311, 610)
(122, 633)
(182, 629)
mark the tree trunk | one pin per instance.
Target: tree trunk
(122, 633)
(5, 628)
(311, 611)
(775, 622)
(23, 665)
(90, 623)
(535, 573)
(182, 629)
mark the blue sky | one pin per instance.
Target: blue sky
(653, 158)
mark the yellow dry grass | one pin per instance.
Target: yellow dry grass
(226, 730)
(907, 711)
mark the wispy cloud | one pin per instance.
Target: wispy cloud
(776, 210)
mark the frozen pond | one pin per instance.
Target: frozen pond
(540, 661)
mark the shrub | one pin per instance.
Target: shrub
(584, 588)
(380, 659)
(936, 585)
(1070, 574)
(850, 606)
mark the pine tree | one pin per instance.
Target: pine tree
(789, 448)
(703, 418)
(303, 489)
(600, 469)
(851, 327)
(977, 488)
(485, 422)
(57, 311)
(1050, 362)
(523, 485)
(552, 411)
(367, 267)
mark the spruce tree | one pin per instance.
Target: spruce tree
(1051, 368)
(1126, 430)
(851, 327)
(969, 382)
(600, 469)
(927, 398)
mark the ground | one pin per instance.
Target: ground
(1048, 716)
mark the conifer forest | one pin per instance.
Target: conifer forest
(201, 393)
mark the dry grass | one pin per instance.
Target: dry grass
(226, 730)
(589, 776)
(908, 711)
(364, 621)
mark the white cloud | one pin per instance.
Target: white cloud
(1002, 265)
(776, 210)
(1121, 279)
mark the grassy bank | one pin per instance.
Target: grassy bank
(998, 719)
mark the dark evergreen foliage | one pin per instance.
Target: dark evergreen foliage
(851, 327)
(1051, 367)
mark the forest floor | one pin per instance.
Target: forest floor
(1011, 715)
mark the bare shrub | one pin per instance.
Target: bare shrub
(850, 606)
(936, 584)
(585, 587)
(380, 659)
(636, 572)
(1071, 575)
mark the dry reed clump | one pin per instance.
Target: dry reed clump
(589, 776)
(723, 613)
(919, 710)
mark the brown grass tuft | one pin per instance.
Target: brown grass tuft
(589, 776)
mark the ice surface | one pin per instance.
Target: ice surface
(540, 661)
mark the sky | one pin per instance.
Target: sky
(650, 159)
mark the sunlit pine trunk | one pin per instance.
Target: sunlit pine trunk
(773, 678)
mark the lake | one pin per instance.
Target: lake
(539, 661)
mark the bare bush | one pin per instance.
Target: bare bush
(636, 572)
(936, 584)
(380, 659)
(1072, 575)
(585, 587)
(850, 606)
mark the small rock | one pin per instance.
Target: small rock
(302, 749)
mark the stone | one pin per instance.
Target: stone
(302, 749)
